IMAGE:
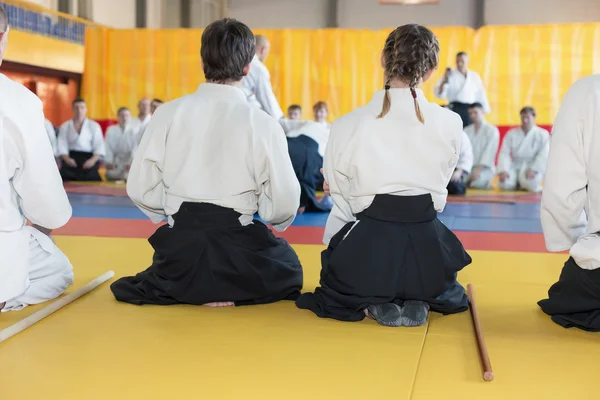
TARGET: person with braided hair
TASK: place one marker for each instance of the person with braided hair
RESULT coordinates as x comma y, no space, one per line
387,166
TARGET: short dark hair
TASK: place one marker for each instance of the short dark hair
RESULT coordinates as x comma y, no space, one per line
476,105
157,101
461,53
77,100
3,20
528,109
294,107
227,47
121,109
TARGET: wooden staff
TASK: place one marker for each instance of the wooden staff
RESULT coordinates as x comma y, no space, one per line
488,374
52,308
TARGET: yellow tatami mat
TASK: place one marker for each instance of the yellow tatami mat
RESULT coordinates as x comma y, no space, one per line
97,348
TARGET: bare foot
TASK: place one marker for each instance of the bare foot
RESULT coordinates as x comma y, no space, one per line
220,304
301,210
2,305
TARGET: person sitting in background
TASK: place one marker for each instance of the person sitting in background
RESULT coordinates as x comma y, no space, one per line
154,105
457,184
138,124
80,145
485,140
121,143
306,146
320,112
294,112
51,136
524,155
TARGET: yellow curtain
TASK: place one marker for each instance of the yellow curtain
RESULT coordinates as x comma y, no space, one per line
533,65
341,67
520,65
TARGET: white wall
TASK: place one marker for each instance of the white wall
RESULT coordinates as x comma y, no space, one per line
114,13
512,12
280,13
370,14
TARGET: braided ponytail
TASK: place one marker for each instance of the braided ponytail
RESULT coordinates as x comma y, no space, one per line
410,52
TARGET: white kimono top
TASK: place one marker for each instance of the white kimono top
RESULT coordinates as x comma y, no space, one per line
524,150
258,89
485,144
466,90
120,145
213,147
572,182
30,184
396,155
89,140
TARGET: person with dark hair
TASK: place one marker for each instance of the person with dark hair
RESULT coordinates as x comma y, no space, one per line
485,139
462,87
524,155
154,104
34,269
570,211
294,112
320,111
80,145
257,84
387,165
121,144
209,161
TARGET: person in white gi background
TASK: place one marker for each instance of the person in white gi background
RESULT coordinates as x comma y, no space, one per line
571,207
34,270
257,85
524,155
80,145
485,139
462,87
121,143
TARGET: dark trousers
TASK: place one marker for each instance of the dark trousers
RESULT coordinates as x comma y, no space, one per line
461,109
69,173
458,188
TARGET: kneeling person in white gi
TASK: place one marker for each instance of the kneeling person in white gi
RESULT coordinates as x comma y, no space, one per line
34,270
121,143
523,155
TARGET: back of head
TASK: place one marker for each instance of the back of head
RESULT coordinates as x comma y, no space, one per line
410,52
228,46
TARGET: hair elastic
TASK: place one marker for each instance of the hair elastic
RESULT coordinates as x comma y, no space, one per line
387,87
413,92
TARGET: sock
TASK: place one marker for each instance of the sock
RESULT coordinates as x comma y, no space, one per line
389,314
414,313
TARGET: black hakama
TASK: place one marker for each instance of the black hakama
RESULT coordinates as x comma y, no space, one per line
396,251
461,109
307,163
208,256
574,301
78,173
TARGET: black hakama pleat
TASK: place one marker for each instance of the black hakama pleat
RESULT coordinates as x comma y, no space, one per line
396,251
307,163
208,256
78,173
574,301
461,109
